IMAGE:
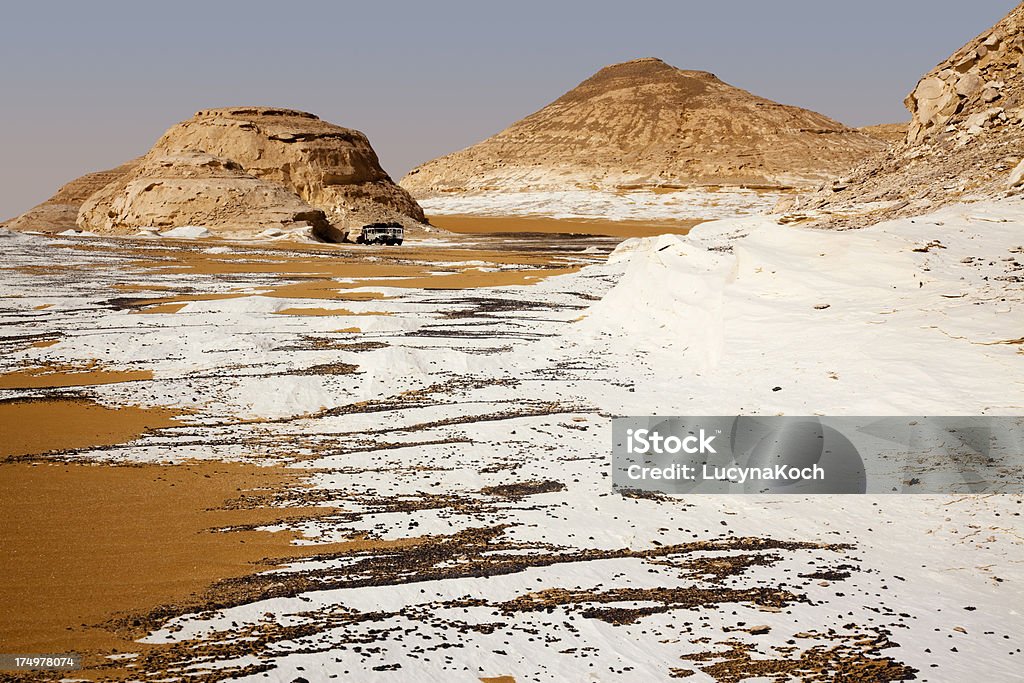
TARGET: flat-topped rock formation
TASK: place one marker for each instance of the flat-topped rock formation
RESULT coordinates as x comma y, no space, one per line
965,140
332,168
646,123
238,170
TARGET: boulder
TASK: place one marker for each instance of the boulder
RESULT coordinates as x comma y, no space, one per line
933,102
969,85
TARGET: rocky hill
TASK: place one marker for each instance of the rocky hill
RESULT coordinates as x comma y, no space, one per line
60,212
965,140
239,170
646,123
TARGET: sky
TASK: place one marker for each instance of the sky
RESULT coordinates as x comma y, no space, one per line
88,85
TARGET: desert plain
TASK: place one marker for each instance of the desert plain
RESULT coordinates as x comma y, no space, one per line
237,445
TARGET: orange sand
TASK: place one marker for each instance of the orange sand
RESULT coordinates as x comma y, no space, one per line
83,543
319,311
161,309
30,427
326,271
67,376
513,224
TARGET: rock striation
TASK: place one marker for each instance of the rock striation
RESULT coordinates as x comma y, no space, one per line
645,123
965,140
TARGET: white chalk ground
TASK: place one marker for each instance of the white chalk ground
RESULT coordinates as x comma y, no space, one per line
917,316
687,204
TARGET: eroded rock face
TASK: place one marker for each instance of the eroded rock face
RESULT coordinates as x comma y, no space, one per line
170,190
332,168
60,212
965,138
969,83
646,123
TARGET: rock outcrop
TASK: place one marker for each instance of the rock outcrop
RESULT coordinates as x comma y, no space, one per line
646,123
60,212
332,168
965,138
237,171
171,190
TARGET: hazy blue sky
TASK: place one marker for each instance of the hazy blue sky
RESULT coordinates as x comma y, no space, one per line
87,85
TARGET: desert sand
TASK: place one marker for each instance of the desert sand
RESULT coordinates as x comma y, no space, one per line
412,509
474,224
30,428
